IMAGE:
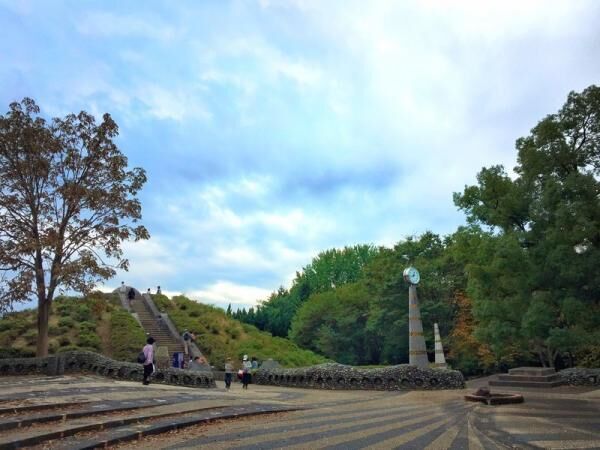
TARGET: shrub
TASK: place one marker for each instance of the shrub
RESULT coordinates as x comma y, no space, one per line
83,313
30,336
162,302
16,353
97,306
232,331
66,322
89,340
87,327
54,331
126,335
52,347
63,341
18,324
194,314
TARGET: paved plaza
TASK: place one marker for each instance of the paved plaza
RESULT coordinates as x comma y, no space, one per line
75,412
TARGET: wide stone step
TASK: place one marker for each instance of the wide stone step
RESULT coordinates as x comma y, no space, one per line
159,425
526,384
532,371
544,378
42,433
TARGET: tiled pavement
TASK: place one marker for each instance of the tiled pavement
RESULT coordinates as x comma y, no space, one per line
104,411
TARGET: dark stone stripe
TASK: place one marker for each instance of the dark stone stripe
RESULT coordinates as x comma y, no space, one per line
313,422
461,441
417,443
305,439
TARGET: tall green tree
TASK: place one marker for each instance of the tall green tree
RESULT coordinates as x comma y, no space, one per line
333,323
541,287
68,202
328,270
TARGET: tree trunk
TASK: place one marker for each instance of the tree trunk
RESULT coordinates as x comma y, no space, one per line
42,325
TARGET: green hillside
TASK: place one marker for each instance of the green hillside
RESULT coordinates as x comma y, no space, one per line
220,336
98,323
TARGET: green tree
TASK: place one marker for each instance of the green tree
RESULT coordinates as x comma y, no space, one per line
332,323
541,289
326,271
68,201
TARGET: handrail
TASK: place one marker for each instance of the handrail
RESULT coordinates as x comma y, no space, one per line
166,320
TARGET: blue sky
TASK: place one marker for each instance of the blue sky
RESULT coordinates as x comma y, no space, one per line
272,130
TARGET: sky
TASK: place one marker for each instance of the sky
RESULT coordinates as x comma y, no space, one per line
273,130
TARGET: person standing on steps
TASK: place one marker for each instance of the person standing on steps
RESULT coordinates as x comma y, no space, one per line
187,339
148,291
131,295
149,362
246,366
158,291
123,288
228,373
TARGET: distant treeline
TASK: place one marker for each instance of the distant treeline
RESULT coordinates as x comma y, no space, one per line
519,284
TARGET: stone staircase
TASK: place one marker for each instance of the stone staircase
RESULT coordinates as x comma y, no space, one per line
529,377
154,327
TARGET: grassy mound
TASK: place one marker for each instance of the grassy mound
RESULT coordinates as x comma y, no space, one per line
96,323
220,336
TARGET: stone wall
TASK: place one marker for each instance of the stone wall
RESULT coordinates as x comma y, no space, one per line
88,362
580,376
338,376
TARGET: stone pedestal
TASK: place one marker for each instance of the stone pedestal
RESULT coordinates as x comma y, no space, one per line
530,377
417,352
440,359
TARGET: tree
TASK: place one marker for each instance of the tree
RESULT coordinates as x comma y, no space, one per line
540,287
68,202
328,270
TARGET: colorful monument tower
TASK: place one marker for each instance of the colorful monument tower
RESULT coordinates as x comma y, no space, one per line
440,359
417,352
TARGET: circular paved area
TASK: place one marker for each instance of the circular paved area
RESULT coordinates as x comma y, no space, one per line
558,418
562,418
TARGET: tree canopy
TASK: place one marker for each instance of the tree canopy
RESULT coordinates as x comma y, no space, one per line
68,202
539,286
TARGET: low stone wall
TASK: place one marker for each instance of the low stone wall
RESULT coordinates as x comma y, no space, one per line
338,376
88,362
579,376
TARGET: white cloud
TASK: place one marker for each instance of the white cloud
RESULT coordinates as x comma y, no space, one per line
149,262
228,292
171,103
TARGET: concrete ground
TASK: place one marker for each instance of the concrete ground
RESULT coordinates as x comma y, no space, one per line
87,411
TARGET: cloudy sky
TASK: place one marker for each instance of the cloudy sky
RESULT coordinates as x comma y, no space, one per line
272,130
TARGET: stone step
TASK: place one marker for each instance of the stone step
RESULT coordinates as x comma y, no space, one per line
89,409
135,431
544,378
532,384
42,433
532,371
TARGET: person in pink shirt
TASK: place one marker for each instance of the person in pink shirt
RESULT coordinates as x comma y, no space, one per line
149,362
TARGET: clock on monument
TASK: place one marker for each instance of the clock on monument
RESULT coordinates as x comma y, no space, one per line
411,275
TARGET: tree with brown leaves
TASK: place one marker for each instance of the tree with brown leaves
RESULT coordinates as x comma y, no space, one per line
67,203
